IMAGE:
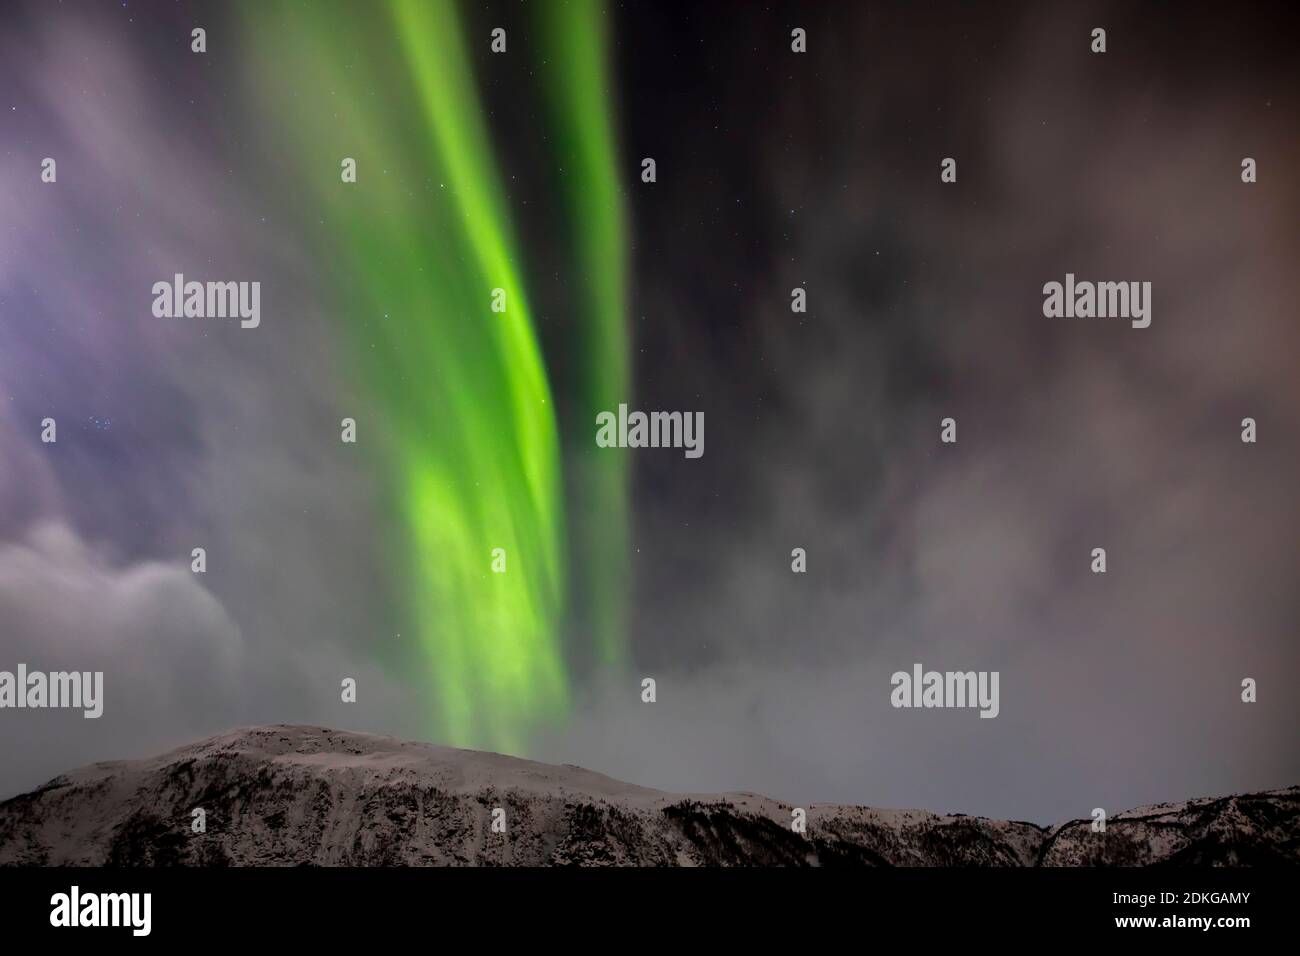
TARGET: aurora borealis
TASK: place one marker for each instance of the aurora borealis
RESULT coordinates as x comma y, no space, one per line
464,392
519,170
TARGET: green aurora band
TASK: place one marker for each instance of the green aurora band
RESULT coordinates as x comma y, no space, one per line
471,450
575,38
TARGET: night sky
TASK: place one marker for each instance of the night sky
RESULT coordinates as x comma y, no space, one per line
775,170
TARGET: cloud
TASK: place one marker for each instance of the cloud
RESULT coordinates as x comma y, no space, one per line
176,665
925,301
172,658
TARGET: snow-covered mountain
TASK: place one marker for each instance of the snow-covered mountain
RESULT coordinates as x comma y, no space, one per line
284,795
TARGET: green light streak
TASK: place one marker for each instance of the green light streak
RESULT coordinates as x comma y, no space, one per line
463,427
574,44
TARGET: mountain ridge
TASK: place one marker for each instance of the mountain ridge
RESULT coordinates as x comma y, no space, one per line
290,795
